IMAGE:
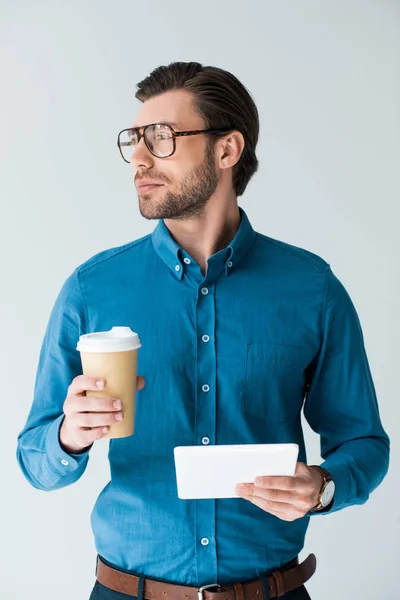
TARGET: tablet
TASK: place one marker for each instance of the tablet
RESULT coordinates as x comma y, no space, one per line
214,471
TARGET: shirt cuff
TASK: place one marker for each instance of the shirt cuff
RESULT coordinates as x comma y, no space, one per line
58,458
339,472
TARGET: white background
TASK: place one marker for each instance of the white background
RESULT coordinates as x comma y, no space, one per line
325,78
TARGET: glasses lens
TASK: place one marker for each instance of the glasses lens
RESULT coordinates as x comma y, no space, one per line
127,140
160,140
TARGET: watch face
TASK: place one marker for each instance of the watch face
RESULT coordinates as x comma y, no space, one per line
328,494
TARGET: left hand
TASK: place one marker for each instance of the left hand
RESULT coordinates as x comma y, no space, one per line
288,498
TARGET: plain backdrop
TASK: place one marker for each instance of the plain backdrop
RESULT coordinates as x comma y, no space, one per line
325,78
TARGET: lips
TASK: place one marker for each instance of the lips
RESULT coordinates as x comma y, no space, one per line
148,187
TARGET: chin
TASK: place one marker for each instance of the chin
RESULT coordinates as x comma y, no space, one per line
148,213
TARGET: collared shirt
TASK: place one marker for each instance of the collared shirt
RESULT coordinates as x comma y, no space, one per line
231,357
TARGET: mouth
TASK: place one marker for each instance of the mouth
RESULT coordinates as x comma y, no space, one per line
147,188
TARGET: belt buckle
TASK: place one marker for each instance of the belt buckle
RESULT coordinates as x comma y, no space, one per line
204,587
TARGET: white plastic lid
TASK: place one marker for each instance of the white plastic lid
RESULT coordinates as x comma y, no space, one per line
116,339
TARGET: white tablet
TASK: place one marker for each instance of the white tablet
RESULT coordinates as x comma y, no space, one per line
214,471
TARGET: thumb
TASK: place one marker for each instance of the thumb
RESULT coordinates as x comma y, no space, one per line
140,382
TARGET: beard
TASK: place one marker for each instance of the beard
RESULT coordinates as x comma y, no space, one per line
196,189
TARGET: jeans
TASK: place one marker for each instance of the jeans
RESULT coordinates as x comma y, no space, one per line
100,592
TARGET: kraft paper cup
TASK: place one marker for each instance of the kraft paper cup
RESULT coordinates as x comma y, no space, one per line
112,355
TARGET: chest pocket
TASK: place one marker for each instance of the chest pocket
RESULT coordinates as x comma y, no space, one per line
274,382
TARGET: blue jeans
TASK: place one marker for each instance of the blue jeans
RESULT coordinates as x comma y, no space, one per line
100,592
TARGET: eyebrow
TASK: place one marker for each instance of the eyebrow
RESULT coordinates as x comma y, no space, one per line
171,123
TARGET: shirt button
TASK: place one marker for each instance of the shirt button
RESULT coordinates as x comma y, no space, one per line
205,441
204,291
187,261
205,541
205,388
177,268
229,263
64,462
206,338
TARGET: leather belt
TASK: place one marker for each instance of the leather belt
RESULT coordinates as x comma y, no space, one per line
284,580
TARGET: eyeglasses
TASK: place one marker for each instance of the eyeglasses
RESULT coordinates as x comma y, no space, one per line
158,137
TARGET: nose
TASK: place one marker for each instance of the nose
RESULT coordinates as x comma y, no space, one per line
141,155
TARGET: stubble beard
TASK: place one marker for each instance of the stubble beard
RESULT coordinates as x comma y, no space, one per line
196,190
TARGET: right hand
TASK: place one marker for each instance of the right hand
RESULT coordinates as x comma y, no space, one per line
86,417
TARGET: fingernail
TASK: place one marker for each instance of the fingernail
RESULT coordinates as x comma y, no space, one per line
239,488
118,417
99,383
117,404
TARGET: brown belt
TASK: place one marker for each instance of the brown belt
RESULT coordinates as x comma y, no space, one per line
280,582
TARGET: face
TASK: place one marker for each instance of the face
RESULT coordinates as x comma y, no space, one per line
189,177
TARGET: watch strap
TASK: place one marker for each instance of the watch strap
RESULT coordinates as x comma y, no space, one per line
327,478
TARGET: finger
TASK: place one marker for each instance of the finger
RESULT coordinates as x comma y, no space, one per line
273,495
86,437
96,419
277,482
270,507
278,497
140,382
81,383
94,404
77,404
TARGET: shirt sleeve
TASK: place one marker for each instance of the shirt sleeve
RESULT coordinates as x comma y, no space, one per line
341,404
42,460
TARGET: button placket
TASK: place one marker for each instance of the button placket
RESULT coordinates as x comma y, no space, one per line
205,422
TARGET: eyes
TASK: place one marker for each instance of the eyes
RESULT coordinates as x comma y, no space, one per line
153,133
159,135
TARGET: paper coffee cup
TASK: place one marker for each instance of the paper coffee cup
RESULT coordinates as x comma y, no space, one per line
112,355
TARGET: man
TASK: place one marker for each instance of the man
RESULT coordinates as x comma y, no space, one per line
239,332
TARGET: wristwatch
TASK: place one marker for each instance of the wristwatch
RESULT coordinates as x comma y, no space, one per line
327,491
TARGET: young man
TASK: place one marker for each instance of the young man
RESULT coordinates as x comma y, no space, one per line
239,331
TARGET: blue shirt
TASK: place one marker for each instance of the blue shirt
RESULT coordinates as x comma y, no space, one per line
229,358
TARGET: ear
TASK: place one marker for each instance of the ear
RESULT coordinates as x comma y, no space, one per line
230,149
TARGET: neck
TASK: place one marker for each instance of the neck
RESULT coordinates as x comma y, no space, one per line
203,236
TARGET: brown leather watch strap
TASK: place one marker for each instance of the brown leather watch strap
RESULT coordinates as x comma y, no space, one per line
326,476
280,582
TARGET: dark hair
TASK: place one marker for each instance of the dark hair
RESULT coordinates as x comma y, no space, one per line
220,99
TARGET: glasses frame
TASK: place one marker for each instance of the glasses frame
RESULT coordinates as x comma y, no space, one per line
175,134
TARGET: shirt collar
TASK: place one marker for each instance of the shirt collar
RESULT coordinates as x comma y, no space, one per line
176,258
